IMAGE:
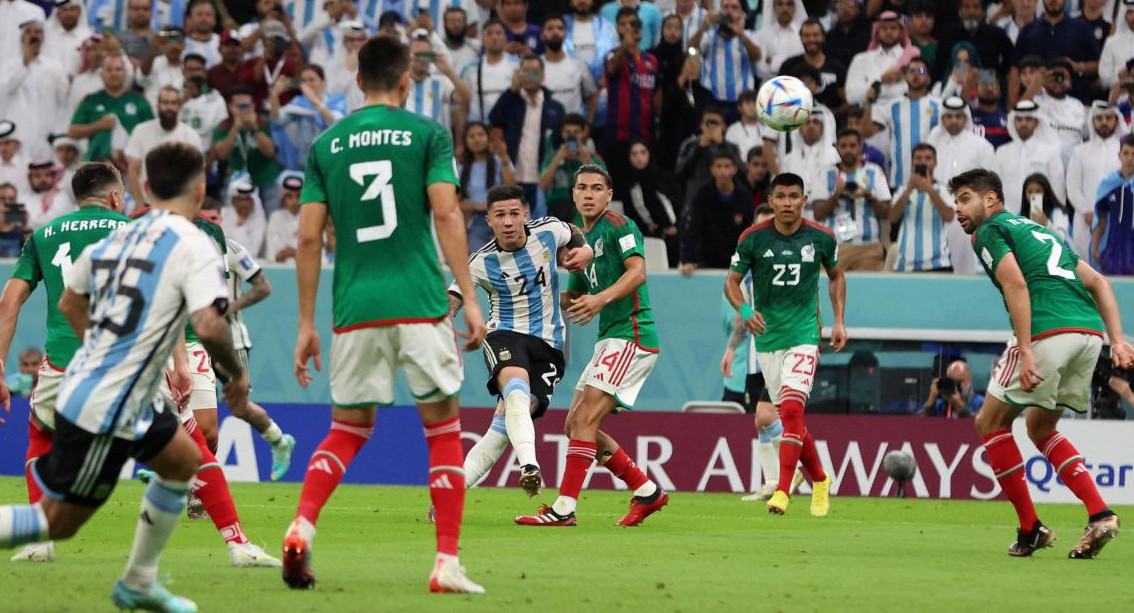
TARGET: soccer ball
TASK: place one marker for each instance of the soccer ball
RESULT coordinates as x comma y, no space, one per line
901,466
784,103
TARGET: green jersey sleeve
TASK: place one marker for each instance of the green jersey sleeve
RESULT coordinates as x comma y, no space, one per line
441,165
83,112
27,267
830,253
742,259
577,282
629,241
991,246
314,189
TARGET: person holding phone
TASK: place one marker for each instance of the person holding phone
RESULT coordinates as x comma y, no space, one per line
731,54
924,209
852,198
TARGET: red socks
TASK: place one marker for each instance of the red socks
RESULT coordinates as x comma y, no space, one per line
328,464
446,481
580,454
39,443
1008,467
797,443
211,486
624,468
810,458
1070,467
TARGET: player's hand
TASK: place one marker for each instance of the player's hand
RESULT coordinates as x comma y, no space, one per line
474,322
5,398
838,337
584,308
1030,376
1121,353
755,324
726,362
180,385
307,347
578,258
236,393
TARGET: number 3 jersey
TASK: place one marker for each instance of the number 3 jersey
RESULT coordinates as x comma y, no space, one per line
47,257
785,280
1060,302
372,170
143,281
522,285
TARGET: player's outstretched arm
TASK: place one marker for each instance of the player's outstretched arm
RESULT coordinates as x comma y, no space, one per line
584,308
212,328
308,263
452,235
1099,286
16,293
1019,302
261,289
837,288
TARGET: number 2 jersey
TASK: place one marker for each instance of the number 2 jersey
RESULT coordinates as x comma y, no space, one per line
143,281
785,280
1060,302
522,285
372,170
47,257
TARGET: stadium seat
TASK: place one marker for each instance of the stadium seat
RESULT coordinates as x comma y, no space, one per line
657,258
711,406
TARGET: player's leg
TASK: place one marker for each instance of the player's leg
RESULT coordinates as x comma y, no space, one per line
516,393
203,397
40,422
789,375
282,444
582,428
487,451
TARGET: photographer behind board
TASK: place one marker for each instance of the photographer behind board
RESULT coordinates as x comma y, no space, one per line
953,396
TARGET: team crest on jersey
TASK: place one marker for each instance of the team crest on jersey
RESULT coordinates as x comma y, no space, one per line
546,255
504,355
598,248
131,108
807,253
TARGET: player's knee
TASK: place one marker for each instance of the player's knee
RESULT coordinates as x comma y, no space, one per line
60,525
986,423
211,439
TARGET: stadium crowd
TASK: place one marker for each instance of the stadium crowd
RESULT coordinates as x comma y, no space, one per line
908,93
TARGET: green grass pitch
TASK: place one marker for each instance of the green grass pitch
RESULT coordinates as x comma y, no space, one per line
705,552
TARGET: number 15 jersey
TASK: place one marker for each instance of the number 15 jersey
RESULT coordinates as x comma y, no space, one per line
372,169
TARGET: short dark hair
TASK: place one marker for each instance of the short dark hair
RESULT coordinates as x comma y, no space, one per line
1127,141
757,151
722,154
748,95
594,169
531,57
195,57
553,17
382,61
786,179
712,110
845,132
211,204
317,69
811,21
500,193
856,111
575,119
624,11
925,147
238,90
171,168
94,179
979,180
918,60
763,209
493,22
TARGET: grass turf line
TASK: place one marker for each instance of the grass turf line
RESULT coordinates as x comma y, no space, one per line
703,552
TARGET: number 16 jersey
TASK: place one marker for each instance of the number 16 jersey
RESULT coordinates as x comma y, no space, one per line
372,169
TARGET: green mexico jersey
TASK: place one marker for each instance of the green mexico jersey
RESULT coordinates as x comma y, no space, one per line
1059,301
130,108
217,234
372,170
785,280
616,239
47,256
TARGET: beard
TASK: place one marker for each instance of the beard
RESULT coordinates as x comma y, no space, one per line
988,99
168,121
554,45
456,39
1105,132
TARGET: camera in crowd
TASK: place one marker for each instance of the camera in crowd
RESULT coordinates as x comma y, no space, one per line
947,387
1107,403
16,213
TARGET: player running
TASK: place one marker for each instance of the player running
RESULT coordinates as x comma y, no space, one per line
379,173
46,258
784,255
129,296
1054,302
613,286
524,346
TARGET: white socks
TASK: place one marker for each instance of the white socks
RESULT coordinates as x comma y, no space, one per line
22,524
272,434
162,505
564,505
484,454
518,419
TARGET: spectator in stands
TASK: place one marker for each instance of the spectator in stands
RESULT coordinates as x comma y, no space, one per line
1040,204
13,163
960,74
1019,13
1112,241
745,132
45,201
956,143
462,48
632,86
1033,149
89,78
670,53
245,141
12,14
569,79
1089,163
323,37
719,211
522,117
988,115
691,14
557,172
67,153
590,37
200,35
491,75
33,88
993,46
105,112
22,382
856,115
138,35
730,54
162,64
1091,11
648,14
1118,47
277,62
1057,35
650,197
283,224
436,90
202,108
226,74
833,73
852,198
1122,92
523,37
243,218
953,396
681,111
882,64
695,159
921,25
907,120
812,152
148,135
1065,115
64,35
849,35
924,210
756,176
484,163
778,39
13,218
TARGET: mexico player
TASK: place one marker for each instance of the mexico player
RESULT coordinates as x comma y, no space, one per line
378,174
784,255
613,286
1054,303
128,296
524,346
46,258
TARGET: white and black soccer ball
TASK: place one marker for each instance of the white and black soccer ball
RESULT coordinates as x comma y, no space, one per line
900,465
784,103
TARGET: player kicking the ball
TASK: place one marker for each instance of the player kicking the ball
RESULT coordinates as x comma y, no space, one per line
1054,302
784,256
379,173
613,286
524,347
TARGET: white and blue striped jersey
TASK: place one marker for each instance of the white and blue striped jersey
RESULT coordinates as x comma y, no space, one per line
432,98
112,13
302,12
909,123
868,228
244,268
522,285
143,281
488,82
726,70
921,239
210,49
749,293
370,11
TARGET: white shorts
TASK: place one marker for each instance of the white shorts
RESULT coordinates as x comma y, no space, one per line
1066,362
45,394
204,395
792,368
365,361
618,368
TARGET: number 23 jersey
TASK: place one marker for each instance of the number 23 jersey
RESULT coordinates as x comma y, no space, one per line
372,170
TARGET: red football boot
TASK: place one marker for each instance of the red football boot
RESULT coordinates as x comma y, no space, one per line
640,509
546,516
